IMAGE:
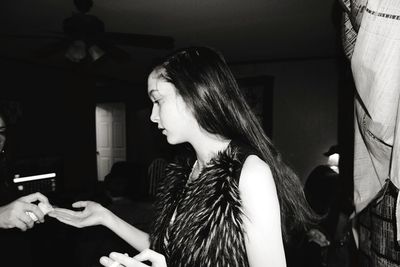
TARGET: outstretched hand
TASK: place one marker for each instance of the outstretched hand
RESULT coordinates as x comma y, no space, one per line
92,214
14,215
156,259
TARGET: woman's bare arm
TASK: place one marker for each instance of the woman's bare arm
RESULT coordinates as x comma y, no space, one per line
95,214
264,243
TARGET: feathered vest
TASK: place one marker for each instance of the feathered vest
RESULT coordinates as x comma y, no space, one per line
207,229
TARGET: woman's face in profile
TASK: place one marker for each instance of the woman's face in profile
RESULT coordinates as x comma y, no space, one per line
2,133
169,111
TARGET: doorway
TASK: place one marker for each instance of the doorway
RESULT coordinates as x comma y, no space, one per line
110,136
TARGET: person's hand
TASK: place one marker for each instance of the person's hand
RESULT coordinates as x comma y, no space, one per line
156,259
14,215
92,214
315,235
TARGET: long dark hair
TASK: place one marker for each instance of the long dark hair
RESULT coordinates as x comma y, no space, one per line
207,85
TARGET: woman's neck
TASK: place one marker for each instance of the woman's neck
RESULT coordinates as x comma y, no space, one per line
207,146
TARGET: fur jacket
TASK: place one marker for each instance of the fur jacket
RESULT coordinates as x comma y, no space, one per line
207,229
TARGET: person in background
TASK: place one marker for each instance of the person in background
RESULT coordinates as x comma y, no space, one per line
15,244
234,202
371,41
13,214
330,243
322,193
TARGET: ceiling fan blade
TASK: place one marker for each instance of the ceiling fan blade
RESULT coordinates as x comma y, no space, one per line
30,36
141,40
53,48
118,54
37,45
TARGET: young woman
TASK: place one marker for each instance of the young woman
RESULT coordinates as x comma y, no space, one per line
235,203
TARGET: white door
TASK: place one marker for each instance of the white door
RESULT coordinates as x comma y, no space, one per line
110,136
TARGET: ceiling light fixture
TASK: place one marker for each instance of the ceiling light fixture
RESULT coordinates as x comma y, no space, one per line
78,51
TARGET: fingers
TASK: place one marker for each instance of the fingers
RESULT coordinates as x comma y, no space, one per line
80,204
106,261
125,260
22,221
65,212
19,213
35,197
145,255
52,213
45,208
70,217
35,210
68,221
20,225
121,258
28,206
157,259
112,262
27,220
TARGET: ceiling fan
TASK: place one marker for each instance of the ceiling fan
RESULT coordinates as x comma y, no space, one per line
84,38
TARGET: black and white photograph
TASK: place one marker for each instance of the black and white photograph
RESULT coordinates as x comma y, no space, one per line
188,133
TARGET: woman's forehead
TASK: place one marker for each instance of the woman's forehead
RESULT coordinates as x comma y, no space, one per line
152,84
157,84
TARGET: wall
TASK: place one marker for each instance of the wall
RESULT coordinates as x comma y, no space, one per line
305,111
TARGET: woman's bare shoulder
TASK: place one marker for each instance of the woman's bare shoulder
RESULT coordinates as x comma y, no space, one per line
257,185
257,171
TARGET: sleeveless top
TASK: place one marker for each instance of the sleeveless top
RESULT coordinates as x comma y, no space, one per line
208,228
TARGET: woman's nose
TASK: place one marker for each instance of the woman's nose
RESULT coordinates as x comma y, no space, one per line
154,117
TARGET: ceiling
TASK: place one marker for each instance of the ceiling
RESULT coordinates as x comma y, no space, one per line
245,31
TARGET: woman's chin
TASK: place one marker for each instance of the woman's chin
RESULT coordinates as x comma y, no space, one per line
172,141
